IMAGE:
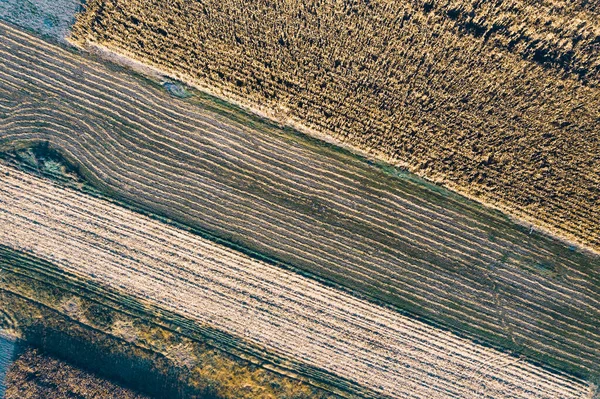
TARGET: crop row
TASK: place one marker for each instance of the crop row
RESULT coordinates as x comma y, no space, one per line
322,212
403,81
290,315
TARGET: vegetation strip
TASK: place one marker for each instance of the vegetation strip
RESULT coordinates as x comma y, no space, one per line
288,314
322,211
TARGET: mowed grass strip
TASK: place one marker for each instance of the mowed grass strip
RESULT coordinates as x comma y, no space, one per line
292,316
322,211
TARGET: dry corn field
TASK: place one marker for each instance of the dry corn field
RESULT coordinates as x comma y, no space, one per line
497,100
292,316
327,214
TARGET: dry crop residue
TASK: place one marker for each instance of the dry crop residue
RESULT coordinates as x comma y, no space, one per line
292,316
323,212
146,347
498,102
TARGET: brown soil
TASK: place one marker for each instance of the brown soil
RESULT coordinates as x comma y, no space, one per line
35,375
500,103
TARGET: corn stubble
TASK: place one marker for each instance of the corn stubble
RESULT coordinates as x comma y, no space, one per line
498,102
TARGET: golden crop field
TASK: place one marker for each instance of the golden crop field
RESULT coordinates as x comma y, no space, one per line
497,100
327,214
289,315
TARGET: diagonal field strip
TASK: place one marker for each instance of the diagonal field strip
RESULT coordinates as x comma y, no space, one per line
316,209
290,315
403,81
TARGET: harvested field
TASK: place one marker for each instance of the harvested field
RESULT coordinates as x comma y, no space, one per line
149,349
324,212
35,375
497,100
289,315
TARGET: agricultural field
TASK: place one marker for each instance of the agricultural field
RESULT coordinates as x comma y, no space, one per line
293,317
291,200
370,230
139,344
496,100
35,375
